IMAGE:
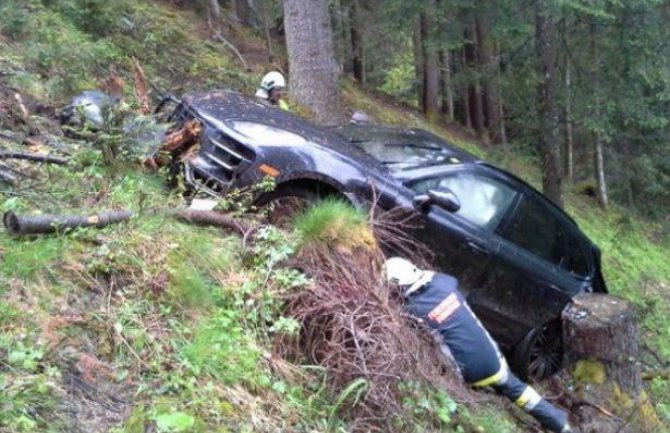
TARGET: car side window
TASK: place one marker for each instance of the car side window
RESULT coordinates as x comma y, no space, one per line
536,228
483,200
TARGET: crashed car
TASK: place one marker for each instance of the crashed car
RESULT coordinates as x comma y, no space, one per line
519,258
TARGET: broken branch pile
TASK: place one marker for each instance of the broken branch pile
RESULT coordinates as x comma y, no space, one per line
358,331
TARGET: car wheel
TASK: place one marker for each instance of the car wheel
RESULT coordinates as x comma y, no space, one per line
540,353
283,204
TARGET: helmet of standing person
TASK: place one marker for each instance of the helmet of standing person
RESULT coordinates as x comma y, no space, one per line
271,80
401,272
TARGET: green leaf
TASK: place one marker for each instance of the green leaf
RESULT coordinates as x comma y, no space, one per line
174,422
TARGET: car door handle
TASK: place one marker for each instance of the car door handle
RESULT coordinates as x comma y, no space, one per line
474,246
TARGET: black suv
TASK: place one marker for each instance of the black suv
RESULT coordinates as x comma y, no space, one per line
519,258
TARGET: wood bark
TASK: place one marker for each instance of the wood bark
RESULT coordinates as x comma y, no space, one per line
419,64
37,224
214,9
34,157
598,158
501,108
603,328
243,11
431,73
447,85
487,76
465,97
357,51
475,88
546,105
599,161
312,64
567,118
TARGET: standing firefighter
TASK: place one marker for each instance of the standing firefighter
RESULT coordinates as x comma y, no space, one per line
271,90
435,299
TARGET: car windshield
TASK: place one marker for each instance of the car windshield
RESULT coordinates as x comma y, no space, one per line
402,155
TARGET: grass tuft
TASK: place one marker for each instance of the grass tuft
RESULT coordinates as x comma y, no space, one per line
333,221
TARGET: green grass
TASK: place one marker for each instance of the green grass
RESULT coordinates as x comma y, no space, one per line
330,221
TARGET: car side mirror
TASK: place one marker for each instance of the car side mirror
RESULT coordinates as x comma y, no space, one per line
443,198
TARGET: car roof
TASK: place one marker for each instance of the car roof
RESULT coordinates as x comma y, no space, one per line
228,105
358,133
361,133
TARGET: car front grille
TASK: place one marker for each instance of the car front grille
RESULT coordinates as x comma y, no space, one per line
219,161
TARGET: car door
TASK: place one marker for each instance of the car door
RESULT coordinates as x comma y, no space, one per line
541,262
464,241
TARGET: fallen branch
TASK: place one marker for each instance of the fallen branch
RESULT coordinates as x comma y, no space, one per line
34,157
219,37
42,224
602,410
38,224
182,139
24,111
651,375
141,91
8,178
212,218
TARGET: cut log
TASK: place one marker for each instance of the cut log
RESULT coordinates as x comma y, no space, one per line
603,328
34,157
36,224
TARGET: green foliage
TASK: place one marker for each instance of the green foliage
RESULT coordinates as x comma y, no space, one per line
97,17
224,349
26,257
331,220
400,81
174,422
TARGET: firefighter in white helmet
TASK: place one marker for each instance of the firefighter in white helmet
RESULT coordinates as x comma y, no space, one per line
271,90
435,299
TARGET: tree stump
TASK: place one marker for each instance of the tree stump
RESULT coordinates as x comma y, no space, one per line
603,329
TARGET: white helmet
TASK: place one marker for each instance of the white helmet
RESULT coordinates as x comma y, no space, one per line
270,81
401,272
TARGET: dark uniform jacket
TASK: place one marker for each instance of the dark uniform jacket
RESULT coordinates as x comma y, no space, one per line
442,306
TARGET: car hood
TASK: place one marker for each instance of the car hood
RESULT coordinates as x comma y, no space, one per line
222,106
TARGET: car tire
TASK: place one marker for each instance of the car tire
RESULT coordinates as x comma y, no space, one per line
540,353
284,203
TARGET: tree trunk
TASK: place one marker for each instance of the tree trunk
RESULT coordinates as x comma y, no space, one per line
567,116
266,28
313,69
475,90
501,111
546,105
418,61
447,85
357,51
602,328
467,117
487,76
431,73
243,11
214,9
600,171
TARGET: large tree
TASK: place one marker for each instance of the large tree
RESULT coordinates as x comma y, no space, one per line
312,65
545,41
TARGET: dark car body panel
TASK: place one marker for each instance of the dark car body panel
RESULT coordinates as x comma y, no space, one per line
512,289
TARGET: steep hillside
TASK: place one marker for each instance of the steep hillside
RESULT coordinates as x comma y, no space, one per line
161,325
